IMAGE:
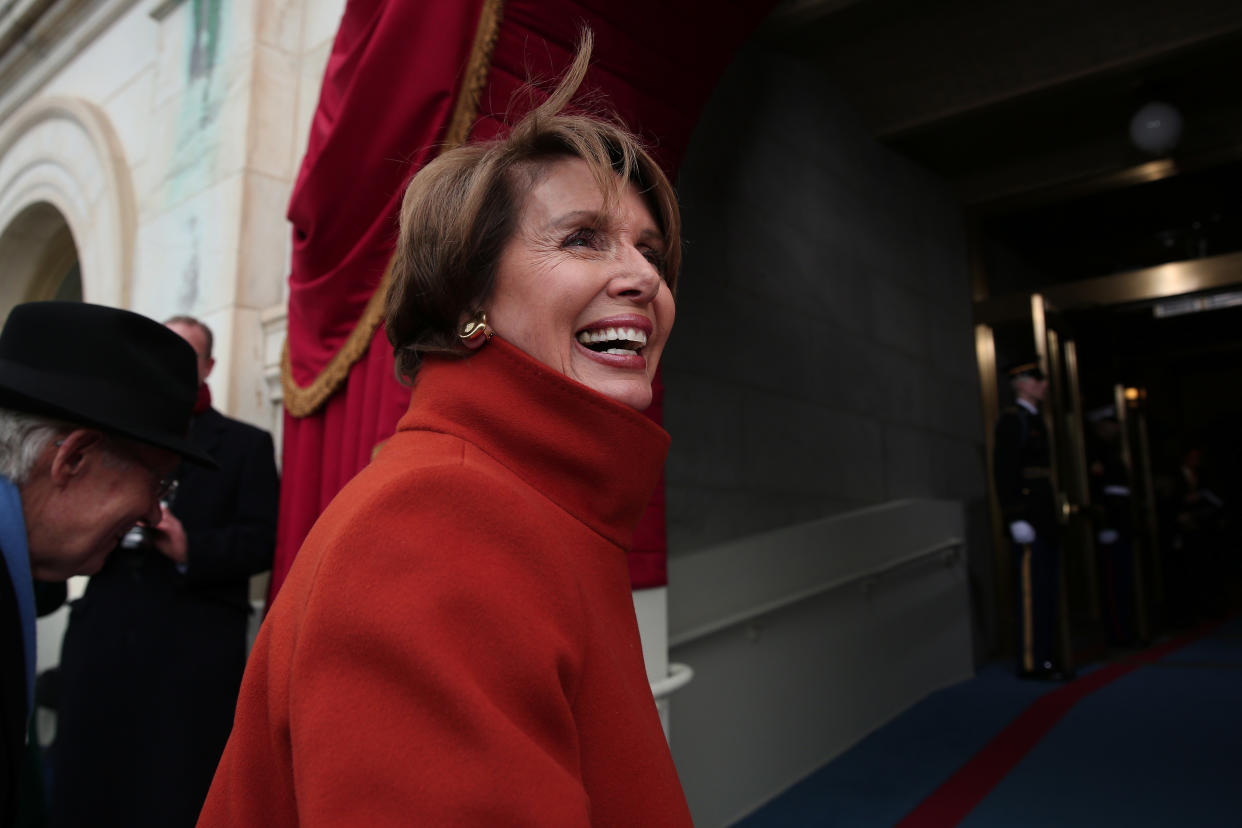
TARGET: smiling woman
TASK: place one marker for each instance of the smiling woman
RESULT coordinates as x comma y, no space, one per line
456,641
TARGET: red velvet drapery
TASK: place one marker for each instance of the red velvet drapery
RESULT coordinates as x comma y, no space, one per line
389,91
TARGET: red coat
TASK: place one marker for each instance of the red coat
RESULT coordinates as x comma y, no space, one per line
456,642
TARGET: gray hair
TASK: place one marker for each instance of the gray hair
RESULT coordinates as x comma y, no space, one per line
22,439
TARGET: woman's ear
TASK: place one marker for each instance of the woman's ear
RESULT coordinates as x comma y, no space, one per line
473,331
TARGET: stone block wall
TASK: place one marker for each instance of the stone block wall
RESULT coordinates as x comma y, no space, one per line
168,136
823,355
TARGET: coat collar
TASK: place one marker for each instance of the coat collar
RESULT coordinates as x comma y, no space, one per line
206,433
595,458
206,428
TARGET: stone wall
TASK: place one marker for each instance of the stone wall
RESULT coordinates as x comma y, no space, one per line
168,136
822,358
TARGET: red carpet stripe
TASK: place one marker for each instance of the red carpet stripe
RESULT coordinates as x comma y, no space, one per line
949,804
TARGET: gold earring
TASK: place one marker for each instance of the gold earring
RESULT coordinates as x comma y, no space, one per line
475,327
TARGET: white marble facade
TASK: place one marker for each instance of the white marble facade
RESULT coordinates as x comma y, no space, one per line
158,143
148,149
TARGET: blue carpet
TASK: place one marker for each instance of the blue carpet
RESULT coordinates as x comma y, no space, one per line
1160,746
879,780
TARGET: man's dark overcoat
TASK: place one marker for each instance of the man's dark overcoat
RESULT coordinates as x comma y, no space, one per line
153,656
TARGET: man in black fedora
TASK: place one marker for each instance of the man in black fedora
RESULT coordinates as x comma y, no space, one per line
153,656
95,407
1021,468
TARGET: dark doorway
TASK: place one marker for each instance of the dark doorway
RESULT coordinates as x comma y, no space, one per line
1177,355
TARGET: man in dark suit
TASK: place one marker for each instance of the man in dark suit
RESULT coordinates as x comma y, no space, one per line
155,649
94,408
1022,473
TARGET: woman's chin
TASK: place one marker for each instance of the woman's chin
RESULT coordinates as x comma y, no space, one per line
623,380
634,393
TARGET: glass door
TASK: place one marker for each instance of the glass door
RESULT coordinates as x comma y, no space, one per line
1146,563
1079,607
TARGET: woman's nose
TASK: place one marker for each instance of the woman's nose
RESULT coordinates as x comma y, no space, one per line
637,279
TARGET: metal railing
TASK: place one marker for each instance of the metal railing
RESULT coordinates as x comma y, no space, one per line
679,675
947,552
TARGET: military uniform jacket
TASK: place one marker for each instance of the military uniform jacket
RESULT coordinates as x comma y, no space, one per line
1022,471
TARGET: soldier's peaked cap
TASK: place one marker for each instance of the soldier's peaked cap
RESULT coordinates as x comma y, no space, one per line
1027,367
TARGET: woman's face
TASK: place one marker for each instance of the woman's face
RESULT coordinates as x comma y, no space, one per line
580,290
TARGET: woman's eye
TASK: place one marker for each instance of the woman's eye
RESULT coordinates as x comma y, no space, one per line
584,237
656,257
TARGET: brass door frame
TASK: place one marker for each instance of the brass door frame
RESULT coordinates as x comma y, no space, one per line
1079,489
1002,563
1149,284
1148,557
1062,413
1142,620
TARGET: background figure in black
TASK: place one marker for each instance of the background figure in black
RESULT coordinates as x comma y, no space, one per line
1194,568
1022,470
1110,494
154,652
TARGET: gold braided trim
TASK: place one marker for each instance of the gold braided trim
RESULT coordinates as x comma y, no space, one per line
303,401
480,64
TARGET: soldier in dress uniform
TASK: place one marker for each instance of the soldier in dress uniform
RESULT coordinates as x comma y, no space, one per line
1023,476
1110,495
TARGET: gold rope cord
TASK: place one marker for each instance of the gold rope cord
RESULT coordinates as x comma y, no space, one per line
302,401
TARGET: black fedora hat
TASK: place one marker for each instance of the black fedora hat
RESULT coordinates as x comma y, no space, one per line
103,367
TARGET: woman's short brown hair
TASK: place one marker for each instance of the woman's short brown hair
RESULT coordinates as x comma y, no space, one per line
462,208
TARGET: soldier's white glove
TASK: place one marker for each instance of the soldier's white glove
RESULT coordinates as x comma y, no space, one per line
1107,536
1022,532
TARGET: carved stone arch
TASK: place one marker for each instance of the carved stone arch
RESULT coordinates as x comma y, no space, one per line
63,152
39,258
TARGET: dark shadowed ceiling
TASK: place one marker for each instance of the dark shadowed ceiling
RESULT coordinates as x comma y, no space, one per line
1004,96
1025,107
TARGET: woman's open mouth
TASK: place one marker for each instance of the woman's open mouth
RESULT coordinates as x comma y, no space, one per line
619,341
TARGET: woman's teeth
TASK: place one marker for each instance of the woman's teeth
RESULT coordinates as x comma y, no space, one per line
619,341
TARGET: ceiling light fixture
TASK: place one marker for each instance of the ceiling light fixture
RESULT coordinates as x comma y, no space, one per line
1156,127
